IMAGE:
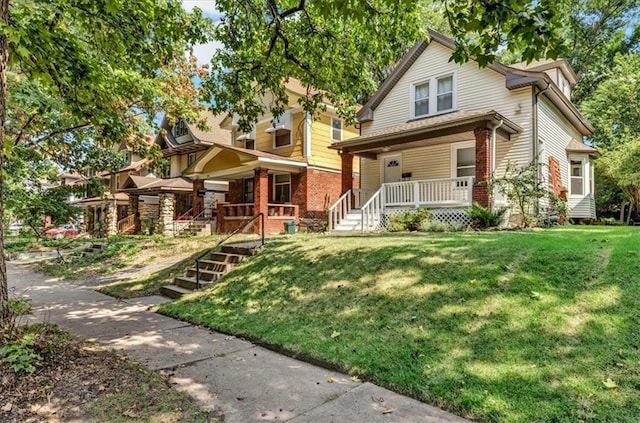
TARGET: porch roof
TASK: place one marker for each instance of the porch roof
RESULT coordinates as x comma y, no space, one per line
118,197
424,129
229,162
147,185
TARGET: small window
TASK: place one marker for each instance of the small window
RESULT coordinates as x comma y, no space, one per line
250,144
421,100
191,158
282,188
336,129
465,162
180,129
445,93
126,155
577,178
247,190
282,138
393,163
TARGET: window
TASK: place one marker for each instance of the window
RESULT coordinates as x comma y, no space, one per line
282,188
463,162
250,144
191,158
435,95
421,107
180,129
577,178
247,190
126,156
281,138
336,129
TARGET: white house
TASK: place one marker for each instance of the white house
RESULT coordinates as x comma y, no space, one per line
435,132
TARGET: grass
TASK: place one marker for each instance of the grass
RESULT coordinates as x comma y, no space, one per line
536,326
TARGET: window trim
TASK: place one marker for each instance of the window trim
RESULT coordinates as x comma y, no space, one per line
275,134
584,171
189,161
183,127
433,95
245,192
454,156
275,200
332,129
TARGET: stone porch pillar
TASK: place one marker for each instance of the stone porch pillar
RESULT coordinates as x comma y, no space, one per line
166,207
198,201
111,218
134,209
481,191
261,192
209,204
347,171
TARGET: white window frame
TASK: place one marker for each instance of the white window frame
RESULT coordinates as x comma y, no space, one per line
275,184
585,170
454,160
333,129
189,161
433,95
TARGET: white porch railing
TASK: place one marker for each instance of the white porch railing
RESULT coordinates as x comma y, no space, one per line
449,192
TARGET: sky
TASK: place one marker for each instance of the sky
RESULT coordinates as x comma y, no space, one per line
204,51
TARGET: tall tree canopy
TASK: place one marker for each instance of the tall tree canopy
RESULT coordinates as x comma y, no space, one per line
79,73
340,46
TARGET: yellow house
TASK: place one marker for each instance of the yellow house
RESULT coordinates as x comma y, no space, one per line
282,168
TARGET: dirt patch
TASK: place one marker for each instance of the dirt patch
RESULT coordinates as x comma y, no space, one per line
81,381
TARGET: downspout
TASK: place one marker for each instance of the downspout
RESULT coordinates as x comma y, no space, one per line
534,133
306,135
494,129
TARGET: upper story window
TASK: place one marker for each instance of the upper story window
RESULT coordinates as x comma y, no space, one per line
247,140
180,129
433,96
250,144
336,129
191,158
282,138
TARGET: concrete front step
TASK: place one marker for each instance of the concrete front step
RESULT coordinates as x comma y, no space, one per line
189,283
174,291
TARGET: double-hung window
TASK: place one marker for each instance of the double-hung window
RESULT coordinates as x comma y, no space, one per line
577,177
191,158
433,96
247,190
336,129
282,188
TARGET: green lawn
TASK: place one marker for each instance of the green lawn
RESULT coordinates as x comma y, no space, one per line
494,326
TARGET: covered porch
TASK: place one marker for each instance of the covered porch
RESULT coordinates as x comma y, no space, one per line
101,214
443,163
259,182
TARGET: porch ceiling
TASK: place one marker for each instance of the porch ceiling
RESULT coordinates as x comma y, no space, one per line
447,128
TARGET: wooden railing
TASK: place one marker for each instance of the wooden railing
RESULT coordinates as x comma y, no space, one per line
372,211
126,224
452,192
339,210
245,210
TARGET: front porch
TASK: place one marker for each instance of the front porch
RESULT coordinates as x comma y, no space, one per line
362,210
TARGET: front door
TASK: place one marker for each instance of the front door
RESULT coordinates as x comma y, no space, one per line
392,169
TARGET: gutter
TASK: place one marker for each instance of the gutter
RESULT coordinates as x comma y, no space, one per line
534,132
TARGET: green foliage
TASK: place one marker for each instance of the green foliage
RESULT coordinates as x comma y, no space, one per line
523,188
20,354
483,217
437,226
622,164
409,220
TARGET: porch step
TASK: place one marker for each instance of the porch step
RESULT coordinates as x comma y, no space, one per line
212,269
94,248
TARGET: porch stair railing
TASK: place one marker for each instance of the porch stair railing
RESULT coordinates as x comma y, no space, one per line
340,209
127,224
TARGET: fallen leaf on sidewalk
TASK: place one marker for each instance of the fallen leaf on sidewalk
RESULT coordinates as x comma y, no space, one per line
387,411
331,380
7,407
355,379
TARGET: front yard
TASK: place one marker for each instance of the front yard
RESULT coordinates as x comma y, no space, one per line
502,327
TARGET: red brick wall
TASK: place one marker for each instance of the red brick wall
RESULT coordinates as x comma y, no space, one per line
198,202
555,180
483,167
235,192
323,189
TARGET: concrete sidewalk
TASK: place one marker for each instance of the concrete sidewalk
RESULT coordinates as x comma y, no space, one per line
245,382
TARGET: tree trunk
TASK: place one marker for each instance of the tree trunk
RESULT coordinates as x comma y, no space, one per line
4,54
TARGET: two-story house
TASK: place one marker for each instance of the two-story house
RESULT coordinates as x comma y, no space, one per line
435,132
173,203
281,168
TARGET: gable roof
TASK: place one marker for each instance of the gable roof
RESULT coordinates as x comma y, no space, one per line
515,78
200,138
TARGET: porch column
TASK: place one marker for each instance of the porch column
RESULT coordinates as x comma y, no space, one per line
209,201
261,192
134,209
481,190
166,210
198,201
111,218
347,171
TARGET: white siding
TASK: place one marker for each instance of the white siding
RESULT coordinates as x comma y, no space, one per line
476,89
555,132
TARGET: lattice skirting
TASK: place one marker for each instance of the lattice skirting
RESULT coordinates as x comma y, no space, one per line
450,216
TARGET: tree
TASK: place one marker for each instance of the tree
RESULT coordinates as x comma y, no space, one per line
341,47
622,164
87,73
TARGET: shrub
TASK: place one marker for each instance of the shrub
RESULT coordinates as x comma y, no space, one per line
409,220
20,354
483,217
437,226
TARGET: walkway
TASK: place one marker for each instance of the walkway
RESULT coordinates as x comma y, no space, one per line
245,382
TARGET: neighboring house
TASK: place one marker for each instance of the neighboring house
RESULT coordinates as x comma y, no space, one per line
176,201
435,132
281,168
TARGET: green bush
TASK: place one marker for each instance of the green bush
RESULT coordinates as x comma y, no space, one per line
437,226
409,220
20,354
483,217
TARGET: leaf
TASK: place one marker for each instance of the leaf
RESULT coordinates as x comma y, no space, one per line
388,411
355,379
7,407
331,380
335,334
609,384
535,295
